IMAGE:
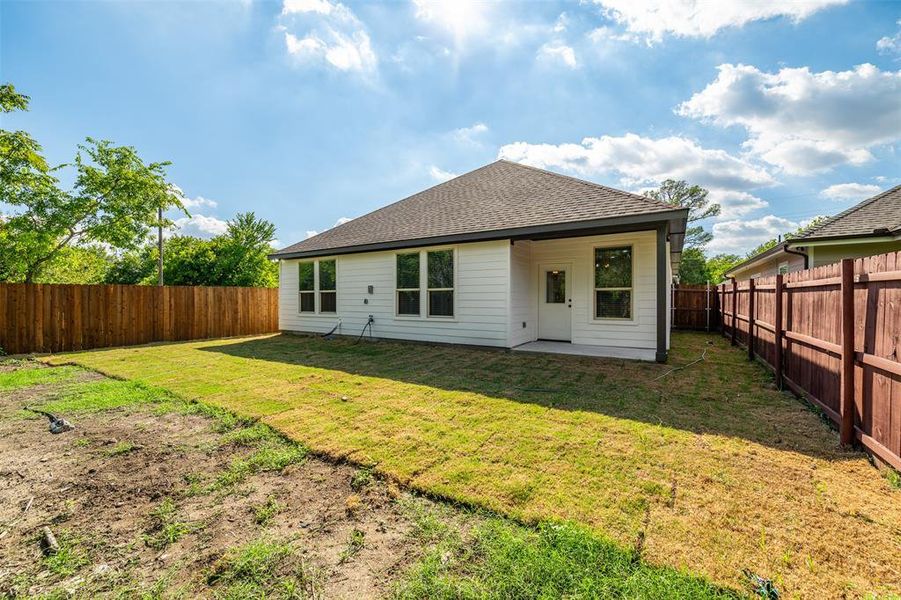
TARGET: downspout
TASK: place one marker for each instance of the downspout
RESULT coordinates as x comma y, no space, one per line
804,254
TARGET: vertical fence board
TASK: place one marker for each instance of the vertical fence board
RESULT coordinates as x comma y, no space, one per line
866,347
61,318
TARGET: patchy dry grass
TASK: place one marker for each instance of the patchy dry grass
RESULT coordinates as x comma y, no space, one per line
709,469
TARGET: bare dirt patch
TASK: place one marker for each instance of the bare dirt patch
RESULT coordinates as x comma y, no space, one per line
135,497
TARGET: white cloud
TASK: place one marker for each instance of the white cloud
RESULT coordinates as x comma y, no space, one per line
198,202
606,34
460,19
702,18
468,135
562,23
735,204
439,174
558,52
200,225
189,203
336,37
739,236
322,7
641,161
340,221
850,191
801,121
344,52
890,45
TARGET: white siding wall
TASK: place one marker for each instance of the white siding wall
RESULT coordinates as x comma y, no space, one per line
522,304
480,300
641,332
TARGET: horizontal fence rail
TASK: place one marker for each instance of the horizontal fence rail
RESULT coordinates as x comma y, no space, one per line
832,335
60,318
694,307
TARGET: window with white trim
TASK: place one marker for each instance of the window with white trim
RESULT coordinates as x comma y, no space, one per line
328,294
408,284
613,283
440,279
306,287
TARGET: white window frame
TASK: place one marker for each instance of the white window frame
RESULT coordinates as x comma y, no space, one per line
320,291
397,290
300,292
423,285
317,302
595,290
453,289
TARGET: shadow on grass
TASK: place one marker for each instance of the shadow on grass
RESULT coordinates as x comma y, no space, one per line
725,394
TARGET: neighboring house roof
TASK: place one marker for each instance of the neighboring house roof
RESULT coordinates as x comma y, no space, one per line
502,199
874,217
757,258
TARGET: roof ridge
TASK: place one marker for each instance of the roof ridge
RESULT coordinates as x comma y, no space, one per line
848,211
653,201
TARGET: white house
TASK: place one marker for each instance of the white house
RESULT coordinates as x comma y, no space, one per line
506,255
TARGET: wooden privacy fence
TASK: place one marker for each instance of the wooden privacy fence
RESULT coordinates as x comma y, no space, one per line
831,334
58,318
694,307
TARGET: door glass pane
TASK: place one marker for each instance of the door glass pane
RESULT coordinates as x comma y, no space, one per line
441,304
555,287
611,304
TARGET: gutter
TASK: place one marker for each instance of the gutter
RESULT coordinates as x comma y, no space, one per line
797,253
837,240
632,222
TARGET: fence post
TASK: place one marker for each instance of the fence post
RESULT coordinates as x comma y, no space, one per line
751,319
707,306
778,333
672,300
734,308
847,376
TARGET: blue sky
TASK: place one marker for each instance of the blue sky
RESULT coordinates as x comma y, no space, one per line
312,111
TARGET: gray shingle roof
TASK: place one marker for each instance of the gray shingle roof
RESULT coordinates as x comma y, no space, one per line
500,196
878,215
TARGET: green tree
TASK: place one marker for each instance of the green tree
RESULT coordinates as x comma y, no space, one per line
135,266
242,252
114,199
77,264
694,198
236,258
189,260
693,268
718,264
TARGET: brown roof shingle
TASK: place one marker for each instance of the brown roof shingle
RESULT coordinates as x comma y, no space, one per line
500,196
879,214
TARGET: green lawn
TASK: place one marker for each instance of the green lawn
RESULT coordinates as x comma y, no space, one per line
708,469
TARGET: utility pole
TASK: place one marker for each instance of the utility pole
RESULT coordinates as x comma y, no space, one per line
159,266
